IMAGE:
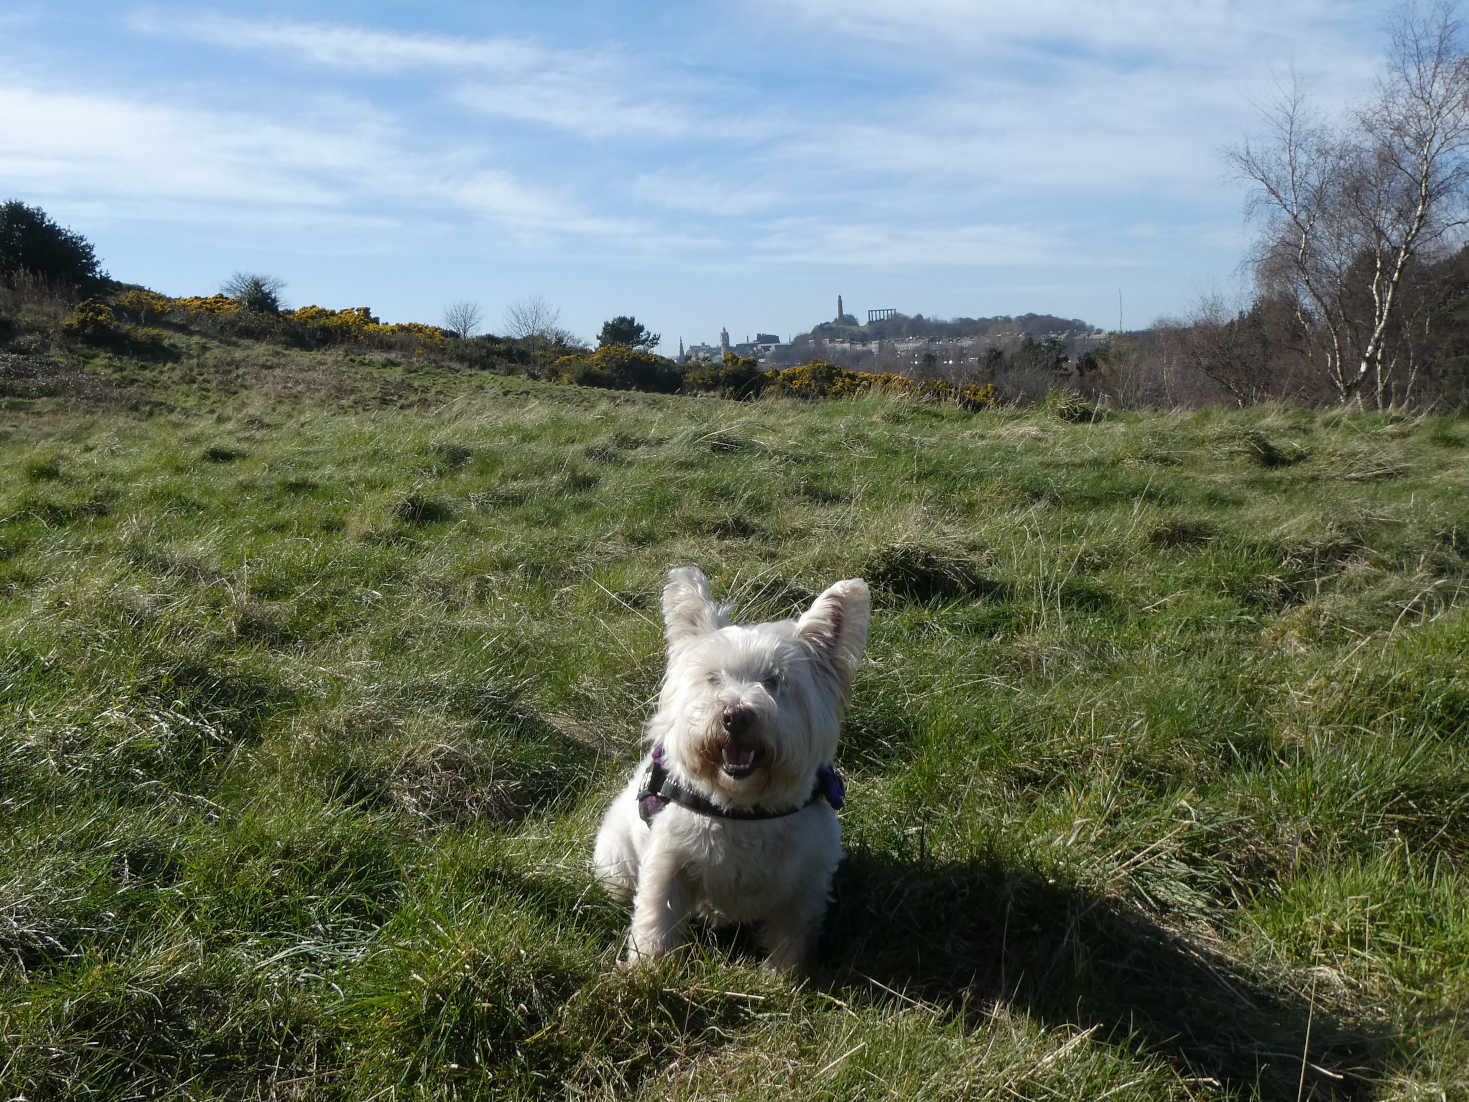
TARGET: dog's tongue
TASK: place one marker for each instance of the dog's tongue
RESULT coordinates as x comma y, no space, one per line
739,756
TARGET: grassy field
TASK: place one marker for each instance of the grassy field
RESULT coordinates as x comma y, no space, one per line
317,673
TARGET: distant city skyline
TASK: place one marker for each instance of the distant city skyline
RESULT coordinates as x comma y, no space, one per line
693,166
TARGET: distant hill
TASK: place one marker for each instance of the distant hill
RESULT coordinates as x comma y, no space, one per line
1001,329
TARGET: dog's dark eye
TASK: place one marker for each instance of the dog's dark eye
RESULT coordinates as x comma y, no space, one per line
714,679
772,683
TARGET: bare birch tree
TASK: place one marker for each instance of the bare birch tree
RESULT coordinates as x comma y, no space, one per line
537,324
462,318
534,319
1348,210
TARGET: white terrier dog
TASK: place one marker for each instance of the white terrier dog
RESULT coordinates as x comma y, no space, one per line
732,813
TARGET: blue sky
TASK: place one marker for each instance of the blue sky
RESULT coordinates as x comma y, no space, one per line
696,165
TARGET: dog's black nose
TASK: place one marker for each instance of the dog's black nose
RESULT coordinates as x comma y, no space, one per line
738,720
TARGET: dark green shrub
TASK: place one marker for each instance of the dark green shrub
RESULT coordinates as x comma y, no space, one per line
31,244
259,294
617,367
734,377
507,355
627,332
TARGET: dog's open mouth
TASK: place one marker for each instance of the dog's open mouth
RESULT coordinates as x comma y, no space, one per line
737,762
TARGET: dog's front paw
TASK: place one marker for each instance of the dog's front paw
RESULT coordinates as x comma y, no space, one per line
787,959
642,950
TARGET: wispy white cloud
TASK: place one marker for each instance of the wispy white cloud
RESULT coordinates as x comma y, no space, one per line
892,244
93,147
1185,31
579,105
730,195
341,46
83,143
535,215
1073,103
603,93
1091,124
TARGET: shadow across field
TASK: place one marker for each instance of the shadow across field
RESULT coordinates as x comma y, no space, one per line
971,935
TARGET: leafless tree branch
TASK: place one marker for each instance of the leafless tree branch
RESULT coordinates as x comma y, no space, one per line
1346,212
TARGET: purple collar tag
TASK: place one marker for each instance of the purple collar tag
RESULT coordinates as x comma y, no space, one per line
829,784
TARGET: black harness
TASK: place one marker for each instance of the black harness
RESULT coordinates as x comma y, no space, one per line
658,790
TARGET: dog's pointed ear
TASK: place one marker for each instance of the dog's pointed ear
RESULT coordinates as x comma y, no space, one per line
835,627
688,609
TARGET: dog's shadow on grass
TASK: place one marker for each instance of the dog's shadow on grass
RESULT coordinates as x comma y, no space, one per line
968,936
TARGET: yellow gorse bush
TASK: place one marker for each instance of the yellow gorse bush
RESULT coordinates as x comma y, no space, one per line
310,325
742,378
819,379
143,305
359,324
217,305
98,323
90,320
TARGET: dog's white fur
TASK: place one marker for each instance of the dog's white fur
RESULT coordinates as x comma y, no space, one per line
746,716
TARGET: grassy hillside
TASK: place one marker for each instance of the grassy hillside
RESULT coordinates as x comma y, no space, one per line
316,672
